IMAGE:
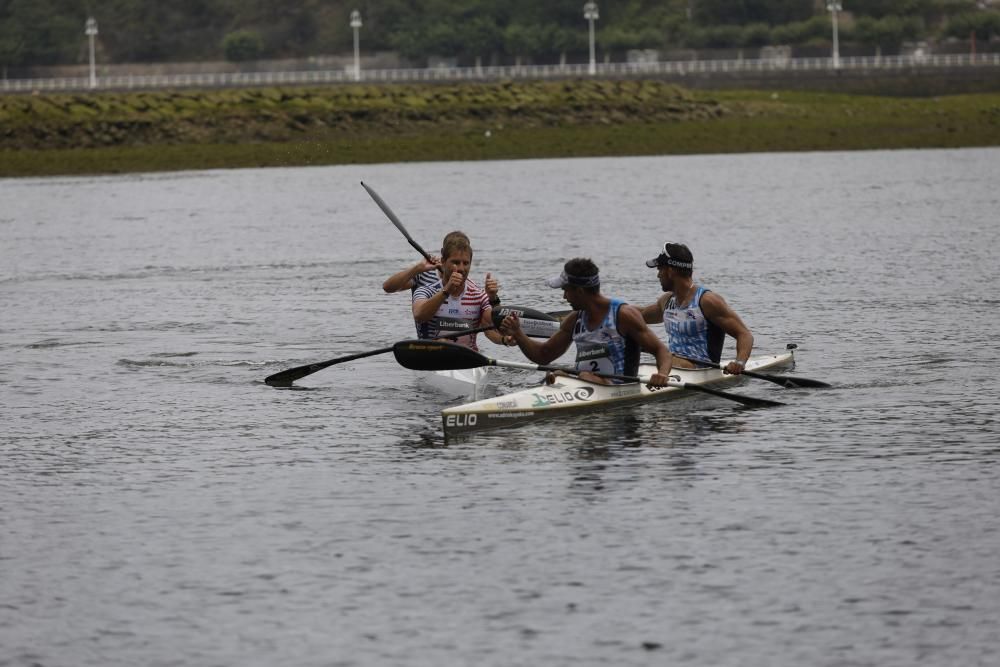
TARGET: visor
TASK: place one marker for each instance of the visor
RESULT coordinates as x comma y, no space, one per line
664,259
564,279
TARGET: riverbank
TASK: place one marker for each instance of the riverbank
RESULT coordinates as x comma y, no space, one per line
266,127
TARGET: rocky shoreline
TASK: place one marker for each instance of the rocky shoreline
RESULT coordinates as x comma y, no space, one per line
155,131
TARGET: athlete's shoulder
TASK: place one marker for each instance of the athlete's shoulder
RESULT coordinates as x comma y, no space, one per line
426,291
427,278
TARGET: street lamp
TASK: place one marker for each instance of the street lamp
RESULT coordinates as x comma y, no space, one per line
356,23
590,13
834,6
91,32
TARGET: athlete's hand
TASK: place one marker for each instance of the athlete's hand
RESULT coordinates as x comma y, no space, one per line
492,288
511,326
658,380
455,284
733,368
428,265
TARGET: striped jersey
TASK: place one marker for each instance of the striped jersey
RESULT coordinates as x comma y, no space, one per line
425,278
604,349
455,314
689,333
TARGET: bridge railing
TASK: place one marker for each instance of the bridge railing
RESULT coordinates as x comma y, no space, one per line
527,72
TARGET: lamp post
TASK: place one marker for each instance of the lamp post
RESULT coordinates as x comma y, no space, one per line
834,6
91,32
356,24
590,13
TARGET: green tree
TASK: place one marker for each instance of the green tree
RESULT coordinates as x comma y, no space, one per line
755,35
41,32
742,12
479,37
242,45
11,46
818,28
651,38
617,39
568,40
517,41
985,25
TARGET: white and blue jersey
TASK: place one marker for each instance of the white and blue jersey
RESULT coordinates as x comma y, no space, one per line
689,333
604,349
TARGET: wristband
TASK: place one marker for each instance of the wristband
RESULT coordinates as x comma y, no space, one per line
741,364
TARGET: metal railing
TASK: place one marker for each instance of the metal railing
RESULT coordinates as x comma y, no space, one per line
528,72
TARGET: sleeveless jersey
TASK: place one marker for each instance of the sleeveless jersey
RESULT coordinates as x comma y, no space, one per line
455,314
689,333
604,349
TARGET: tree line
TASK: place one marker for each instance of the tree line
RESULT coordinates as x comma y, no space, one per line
48,32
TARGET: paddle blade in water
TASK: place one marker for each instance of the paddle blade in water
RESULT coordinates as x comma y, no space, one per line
793,382
789,381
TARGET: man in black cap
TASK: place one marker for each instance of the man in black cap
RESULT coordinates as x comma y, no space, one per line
696,319
608,333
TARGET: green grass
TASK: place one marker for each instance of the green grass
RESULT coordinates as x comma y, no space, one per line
353,125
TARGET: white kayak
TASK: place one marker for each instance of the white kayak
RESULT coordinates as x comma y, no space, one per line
464,382
570,395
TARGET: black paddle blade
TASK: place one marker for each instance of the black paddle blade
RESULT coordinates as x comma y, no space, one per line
748,401
287,377
432,355
790,382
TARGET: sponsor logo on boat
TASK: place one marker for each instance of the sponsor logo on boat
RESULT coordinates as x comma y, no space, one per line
506,405
539,327
509,415
460,421
580,395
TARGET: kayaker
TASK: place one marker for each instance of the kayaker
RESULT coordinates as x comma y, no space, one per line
445,299
695,318
608,333
425,272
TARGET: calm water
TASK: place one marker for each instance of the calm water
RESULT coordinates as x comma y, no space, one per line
159,505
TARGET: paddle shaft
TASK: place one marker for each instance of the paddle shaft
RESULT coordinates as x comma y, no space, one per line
785,381
395,221
287,377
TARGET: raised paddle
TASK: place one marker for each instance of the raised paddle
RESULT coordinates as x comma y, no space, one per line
785,381
399,225
426,355
395,221
286,377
